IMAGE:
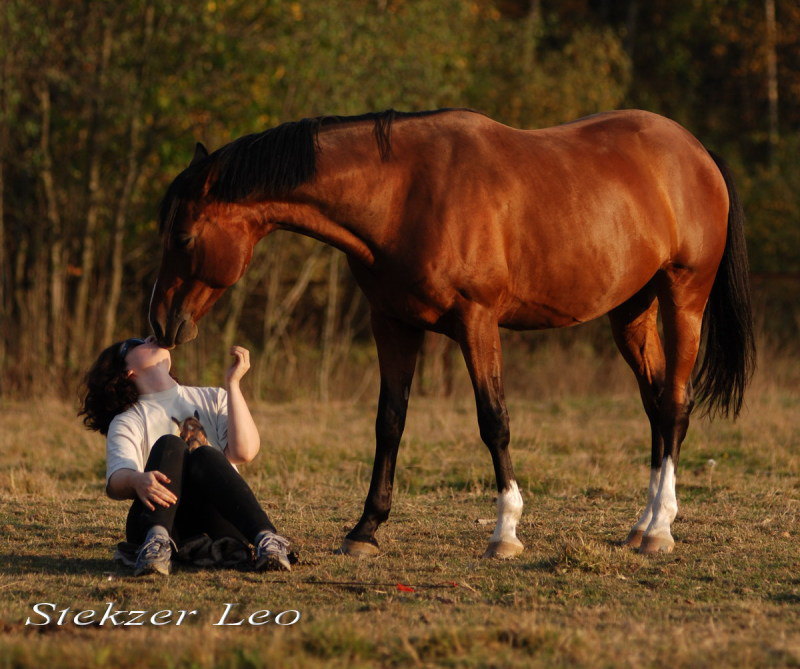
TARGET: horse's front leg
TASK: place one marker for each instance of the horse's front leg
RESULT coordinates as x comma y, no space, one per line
398,345
479,338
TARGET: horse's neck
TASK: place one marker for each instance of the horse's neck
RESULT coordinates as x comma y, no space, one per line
312,220
347,205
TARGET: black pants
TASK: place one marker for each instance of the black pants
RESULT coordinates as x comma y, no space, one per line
212,497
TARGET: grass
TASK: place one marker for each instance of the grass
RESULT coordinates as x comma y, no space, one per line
727,596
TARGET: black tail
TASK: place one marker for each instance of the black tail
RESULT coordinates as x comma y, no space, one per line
730,353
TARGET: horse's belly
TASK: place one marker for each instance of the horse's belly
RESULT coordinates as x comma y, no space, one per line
560,276
574,298
537,316
541,316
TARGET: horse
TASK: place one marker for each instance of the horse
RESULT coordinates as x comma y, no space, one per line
455,223
192,431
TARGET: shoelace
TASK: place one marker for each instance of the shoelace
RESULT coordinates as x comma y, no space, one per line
154,546
273,543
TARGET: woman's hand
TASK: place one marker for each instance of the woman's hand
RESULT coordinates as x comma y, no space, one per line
241,363
243,439
149,487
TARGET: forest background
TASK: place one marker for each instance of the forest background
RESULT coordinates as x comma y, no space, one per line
101,104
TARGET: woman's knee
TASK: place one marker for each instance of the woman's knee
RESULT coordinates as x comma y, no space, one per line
170,442
168,452
205,463
203,455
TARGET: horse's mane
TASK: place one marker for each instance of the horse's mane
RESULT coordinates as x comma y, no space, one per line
271,163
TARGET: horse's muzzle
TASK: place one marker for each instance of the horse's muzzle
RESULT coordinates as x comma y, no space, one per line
179,329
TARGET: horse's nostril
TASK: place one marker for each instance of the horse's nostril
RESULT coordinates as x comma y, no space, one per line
187,331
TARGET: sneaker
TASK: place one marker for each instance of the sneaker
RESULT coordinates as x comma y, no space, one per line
272,552
155,555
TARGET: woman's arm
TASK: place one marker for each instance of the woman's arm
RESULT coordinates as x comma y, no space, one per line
147,486
243,439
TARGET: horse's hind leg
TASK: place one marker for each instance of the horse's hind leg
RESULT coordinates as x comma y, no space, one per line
682,298
479,339
398,345
635,329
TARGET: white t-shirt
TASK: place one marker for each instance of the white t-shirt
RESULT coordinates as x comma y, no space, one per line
133,433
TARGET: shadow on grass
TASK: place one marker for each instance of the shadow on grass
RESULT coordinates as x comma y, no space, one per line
41,564
45,564
785,598
549,564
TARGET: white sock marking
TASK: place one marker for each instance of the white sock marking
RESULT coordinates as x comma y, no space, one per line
665,505
509,510
652,491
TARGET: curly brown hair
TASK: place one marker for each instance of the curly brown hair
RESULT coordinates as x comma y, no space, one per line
106,390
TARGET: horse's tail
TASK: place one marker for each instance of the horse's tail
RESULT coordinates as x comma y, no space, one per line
730,354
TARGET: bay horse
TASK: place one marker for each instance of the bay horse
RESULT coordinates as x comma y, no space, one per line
192,431
455,223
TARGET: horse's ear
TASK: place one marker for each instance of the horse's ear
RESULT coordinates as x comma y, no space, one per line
196,414
177,422
200,152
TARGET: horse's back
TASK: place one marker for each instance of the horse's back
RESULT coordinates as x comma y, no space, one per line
568,222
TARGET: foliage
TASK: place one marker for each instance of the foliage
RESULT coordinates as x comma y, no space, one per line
101,103
772,192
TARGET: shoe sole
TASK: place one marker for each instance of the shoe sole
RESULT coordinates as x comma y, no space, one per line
152,569
271,563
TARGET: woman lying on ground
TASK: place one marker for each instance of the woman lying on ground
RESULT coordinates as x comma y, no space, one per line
182,498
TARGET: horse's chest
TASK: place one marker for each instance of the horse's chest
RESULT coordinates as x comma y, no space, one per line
402,295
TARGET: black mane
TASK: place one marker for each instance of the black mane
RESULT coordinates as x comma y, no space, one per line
270,163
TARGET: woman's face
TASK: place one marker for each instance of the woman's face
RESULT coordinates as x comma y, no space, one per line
145,357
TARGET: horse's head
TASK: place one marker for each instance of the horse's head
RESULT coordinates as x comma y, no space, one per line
207,245
192,431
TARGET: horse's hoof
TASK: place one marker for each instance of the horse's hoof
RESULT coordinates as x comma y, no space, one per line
357,549
503,549
634,539
653,545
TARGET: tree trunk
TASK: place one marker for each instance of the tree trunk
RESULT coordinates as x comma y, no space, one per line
239,294
283,313
329,329
3,307
631,22
129,187
4,270
278,316
772,78
118,233
532,29
57,265
80,345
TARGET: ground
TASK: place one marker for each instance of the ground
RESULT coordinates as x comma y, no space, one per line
727,596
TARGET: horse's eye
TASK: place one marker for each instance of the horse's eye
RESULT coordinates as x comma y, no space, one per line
183,241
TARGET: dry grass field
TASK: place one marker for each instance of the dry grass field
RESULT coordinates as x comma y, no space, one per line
728,596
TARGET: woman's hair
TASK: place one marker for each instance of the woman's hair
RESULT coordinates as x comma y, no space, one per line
106,390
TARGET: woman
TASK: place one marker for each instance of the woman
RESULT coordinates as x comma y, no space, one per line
132,398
